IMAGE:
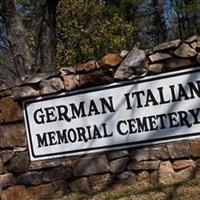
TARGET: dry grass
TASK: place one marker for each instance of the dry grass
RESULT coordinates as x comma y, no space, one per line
185,191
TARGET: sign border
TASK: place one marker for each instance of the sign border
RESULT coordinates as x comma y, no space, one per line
26,102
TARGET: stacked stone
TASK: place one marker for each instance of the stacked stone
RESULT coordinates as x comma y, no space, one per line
163,164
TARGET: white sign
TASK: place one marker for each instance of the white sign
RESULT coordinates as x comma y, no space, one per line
155,109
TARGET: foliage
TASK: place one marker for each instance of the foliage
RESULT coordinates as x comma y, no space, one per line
87,30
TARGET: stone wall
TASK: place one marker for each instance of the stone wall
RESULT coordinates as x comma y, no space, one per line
157,164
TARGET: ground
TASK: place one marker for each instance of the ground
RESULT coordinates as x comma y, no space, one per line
184,191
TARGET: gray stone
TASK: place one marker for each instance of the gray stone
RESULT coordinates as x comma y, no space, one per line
91,79
167,45
197,163
99,183
35,78
43,191
67,70
194,45
148,52
198,58
7,155
143,179
86,67
71,82
10,110
90,165
156,67
197,173
124,53
154,177
127,178
179,150
12,135
80,185
119,165
51,85
168,176
133,65
182,164
195,148
117,154
151,153
184,175
7,180
81,68
19,163
30,178
198,43
185,51
166,173
191,39
19,149
17,192
5,93
24,92
159,57
143,165
177,63
42,164
2,168
97,77
56,173
60,188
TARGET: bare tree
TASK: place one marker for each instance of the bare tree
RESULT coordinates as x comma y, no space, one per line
45,27
159,20
25,63
14,30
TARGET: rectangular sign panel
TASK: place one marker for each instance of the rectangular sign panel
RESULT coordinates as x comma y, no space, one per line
155,109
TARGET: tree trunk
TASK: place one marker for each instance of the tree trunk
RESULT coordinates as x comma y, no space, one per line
160,20
45,27
15,38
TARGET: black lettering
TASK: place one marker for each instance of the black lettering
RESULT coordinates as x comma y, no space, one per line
131,124
107,105
52,139
63,113
81,134
162,98
89,132
150,98
96,133
195,115
194,89
42,140
62,137
138,94
162,117
105,131
39,116
173,120
182,93
142,124
93,109
119,127
72,135
129,107
152,123
173,93
184,119
50,114
78,112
